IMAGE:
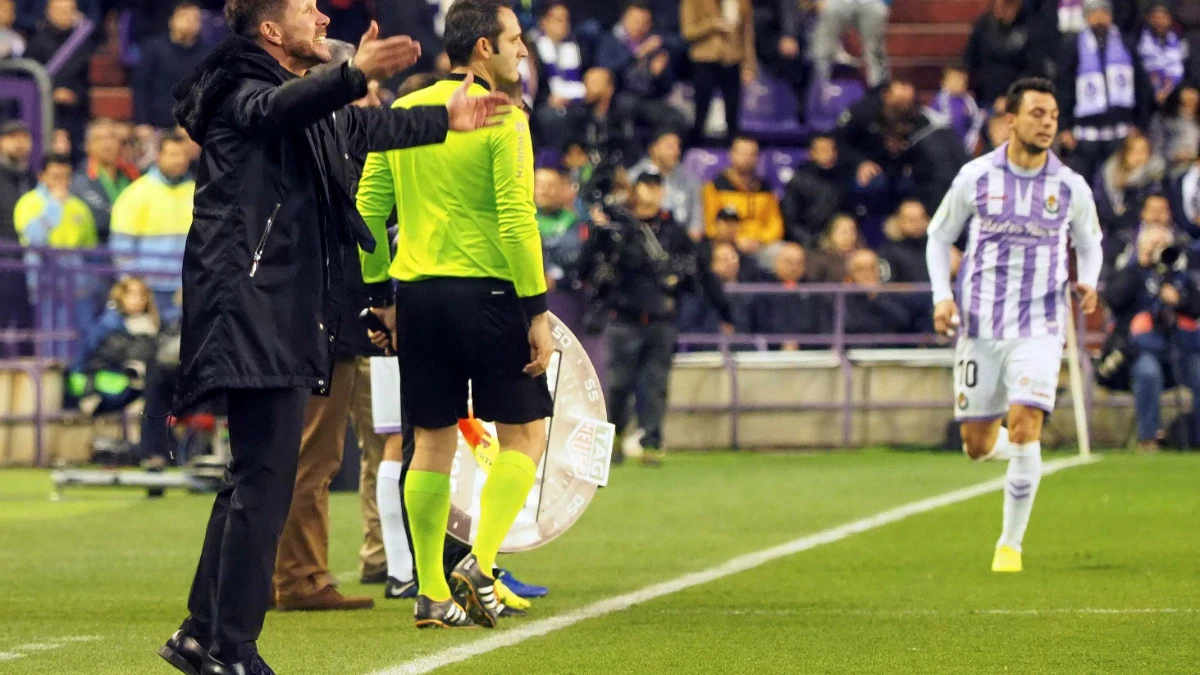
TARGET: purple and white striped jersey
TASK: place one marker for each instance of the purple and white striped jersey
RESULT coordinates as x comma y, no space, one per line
1014,269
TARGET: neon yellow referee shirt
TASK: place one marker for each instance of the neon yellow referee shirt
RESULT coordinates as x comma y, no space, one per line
465,207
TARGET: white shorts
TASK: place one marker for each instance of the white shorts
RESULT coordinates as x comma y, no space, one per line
991,375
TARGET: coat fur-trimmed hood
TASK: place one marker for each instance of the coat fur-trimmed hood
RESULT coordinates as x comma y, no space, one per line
199,96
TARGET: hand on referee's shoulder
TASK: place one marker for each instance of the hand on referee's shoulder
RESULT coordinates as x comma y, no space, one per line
468,113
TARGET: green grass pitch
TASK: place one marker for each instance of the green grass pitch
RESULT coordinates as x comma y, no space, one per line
94,583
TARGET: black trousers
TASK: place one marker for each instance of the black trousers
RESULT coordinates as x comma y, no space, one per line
232,587
639,363
707,78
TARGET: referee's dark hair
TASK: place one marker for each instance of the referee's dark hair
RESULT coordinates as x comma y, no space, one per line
245,16
1012,100
467,22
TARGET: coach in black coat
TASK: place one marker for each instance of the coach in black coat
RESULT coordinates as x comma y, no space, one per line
263,278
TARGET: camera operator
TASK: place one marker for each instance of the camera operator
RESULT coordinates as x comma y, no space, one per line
639,262
1155,301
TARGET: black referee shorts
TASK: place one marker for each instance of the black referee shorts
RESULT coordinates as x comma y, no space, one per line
454,330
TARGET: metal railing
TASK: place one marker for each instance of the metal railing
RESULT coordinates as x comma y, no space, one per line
56,326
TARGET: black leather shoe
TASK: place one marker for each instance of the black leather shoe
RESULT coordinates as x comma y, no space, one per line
251,666
183,652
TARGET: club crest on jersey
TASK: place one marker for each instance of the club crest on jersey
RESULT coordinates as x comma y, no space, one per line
962,401
1052,204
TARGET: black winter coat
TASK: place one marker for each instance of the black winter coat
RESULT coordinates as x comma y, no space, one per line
813,197
14,182
263,274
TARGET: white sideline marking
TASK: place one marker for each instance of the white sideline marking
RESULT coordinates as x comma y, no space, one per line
21,651
930,612
508,638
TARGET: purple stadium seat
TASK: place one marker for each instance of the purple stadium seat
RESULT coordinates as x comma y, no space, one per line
825,109
547,158
778,165
769,111
704,165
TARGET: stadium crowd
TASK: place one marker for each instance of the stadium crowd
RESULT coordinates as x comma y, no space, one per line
635,82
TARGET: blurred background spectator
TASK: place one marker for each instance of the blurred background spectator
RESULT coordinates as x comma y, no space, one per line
562,231
1175,129
827,264
1002,48
560,67
781,44
12,43
869,18
16,178
151,219
681,196
1124,182
741,188
117,350
165,60
797,313
64,44
721,38
819,190
105,174
871,312
638,58
958,105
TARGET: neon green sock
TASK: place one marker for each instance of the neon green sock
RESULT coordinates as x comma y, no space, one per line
503,495
427,497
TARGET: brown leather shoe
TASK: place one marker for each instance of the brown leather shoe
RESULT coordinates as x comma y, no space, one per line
327,598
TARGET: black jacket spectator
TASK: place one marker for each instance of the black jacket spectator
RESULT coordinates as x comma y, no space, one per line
903,262
273,182
1003,47
639,293
813,197
14,182
798,313
162,65
878,315
698,315
634,75
73,75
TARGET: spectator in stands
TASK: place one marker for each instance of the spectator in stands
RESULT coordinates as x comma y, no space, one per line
795,313
956,103
1185,198
60,143
819,190
1163,52
1003,47
164,62
118,348
599,125
151,219
741,188
1155,305
1175,130
1121,246
728,225
872,313
998,132
1124,182
65,44
827,264
1188,15
12,43
870,18
559,72
781,45
1103,90
902,260
16,312
698,315
682,195
642,65
104,176
50,216
562,231
721,38
900,151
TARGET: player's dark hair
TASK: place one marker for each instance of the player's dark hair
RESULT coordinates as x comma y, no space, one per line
467,22
637,4
245,16
56,158
1016,93
169,138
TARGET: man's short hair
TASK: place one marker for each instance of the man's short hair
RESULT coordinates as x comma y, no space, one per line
186,4
97,125
169,137
466,22
1016,93
742,138
416,83
636,4
665,131
552,4
245,16
821,137
57,158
